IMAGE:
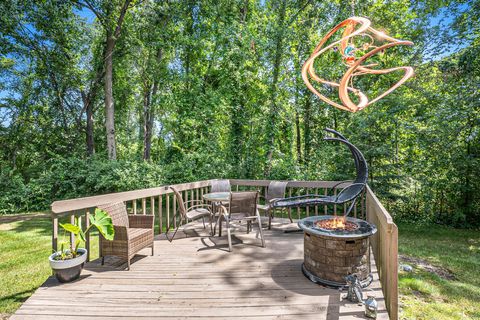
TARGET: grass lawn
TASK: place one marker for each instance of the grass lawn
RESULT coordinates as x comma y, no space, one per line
25,246
426,295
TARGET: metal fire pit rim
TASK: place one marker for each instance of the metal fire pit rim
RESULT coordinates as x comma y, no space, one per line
365,228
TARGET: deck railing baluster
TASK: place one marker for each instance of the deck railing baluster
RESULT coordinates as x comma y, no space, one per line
308,207
144,206
72,236
174,214
152,205
160,214
87,236
168,210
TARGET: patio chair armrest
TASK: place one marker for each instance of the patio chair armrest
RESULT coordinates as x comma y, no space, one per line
141,221
203,205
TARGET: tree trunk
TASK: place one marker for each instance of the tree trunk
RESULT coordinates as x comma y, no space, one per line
273,114
307,144
89,132
109,105
149,116
88,107
299,138
149,112
89,129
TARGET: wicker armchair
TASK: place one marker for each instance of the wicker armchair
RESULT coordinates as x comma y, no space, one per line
276,190
132,233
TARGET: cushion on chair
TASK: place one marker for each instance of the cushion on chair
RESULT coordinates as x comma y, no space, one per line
197,213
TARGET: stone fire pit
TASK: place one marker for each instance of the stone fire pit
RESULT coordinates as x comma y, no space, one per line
331,252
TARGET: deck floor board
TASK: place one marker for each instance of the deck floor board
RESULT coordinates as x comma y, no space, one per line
195,277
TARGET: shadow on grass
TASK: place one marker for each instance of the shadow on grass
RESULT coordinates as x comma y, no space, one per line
40,225
19,297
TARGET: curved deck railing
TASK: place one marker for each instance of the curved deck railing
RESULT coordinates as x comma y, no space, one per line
160,202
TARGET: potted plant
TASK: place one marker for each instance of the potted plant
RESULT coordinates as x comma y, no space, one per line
67,263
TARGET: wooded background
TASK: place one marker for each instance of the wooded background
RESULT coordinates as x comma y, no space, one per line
103,96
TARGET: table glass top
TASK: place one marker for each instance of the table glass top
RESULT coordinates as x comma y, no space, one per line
217,196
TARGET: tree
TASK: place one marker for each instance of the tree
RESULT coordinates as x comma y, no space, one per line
111,21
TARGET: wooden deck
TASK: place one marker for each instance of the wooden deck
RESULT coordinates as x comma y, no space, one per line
196,277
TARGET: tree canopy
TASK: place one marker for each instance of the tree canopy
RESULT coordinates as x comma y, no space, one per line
102,96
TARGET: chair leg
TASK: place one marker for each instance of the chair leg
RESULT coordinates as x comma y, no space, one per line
249,226
219,226
153,249
166,233
103,261
229,236
128,264
259,220
290,216
211,227
269,220
203,220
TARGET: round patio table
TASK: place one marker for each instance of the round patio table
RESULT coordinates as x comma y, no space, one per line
217,197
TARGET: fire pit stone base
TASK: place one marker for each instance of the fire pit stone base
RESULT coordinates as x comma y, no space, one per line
333,259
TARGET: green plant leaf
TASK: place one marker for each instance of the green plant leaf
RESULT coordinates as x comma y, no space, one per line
70,228
103,222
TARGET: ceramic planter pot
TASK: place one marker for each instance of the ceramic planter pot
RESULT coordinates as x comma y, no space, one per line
68,270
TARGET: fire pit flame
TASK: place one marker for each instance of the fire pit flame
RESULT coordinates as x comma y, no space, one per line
337,223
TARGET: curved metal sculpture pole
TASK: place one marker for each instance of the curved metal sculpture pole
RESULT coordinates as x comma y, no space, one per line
347,50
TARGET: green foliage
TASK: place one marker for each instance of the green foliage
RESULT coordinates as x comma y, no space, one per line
100,220
103,222
73,177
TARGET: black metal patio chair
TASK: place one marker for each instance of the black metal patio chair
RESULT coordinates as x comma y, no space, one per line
348,194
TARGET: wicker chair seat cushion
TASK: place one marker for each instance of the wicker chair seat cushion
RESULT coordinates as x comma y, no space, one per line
197,213
135,234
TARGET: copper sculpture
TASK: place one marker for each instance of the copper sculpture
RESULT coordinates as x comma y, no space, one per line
356,66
